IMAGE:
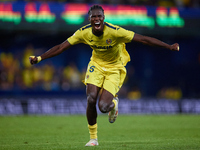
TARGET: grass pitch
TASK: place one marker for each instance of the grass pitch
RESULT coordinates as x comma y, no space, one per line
129,132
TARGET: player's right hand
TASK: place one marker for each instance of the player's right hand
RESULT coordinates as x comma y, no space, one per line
33,60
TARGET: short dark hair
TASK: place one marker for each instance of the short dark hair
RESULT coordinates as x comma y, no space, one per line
95,7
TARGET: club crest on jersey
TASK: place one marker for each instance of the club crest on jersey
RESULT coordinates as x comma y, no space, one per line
108,41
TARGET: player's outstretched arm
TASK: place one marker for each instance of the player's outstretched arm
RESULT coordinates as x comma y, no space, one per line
154,42
54,51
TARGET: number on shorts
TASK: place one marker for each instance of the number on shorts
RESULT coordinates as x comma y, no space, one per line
91,69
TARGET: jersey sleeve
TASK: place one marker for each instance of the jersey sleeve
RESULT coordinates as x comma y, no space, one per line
76,38
124,35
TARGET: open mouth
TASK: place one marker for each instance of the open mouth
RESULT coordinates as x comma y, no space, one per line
97,25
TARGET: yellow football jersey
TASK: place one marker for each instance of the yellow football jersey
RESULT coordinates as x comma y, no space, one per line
109,48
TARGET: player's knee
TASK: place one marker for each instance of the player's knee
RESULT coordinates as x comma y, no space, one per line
104,107
91,100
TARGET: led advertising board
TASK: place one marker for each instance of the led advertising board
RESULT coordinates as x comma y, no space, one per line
71,16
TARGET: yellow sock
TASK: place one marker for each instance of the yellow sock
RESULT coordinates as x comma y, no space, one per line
114,102
93,131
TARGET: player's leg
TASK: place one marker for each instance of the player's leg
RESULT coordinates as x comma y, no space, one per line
91,113
112,115
109,103
112,84
92,94
105,101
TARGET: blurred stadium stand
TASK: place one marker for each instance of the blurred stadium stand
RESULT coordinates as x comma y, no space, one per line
152,72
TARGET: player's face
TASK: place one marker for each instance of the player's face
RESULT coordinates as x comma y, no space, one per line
96,19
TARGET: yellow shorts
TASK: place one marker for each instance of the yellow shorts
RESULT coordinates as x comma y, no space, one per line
111,79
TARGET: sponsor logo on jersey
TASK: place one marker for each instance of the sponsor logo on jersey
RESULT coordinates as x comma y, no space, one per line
101,47
108,41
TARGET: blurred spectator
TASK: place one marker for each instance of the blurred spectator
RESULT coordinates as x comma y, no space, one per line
174,93
27,75
134,94
72,75
27,52
8,69
47,74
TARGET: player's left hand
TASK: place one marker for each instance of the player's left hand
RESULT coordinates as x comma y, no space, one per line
174,47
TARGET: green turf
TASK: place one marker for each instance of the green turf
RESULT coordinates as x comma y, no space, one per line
134,132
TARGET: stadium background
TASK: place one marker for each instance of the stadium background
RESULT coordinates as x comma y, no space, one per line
158,80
